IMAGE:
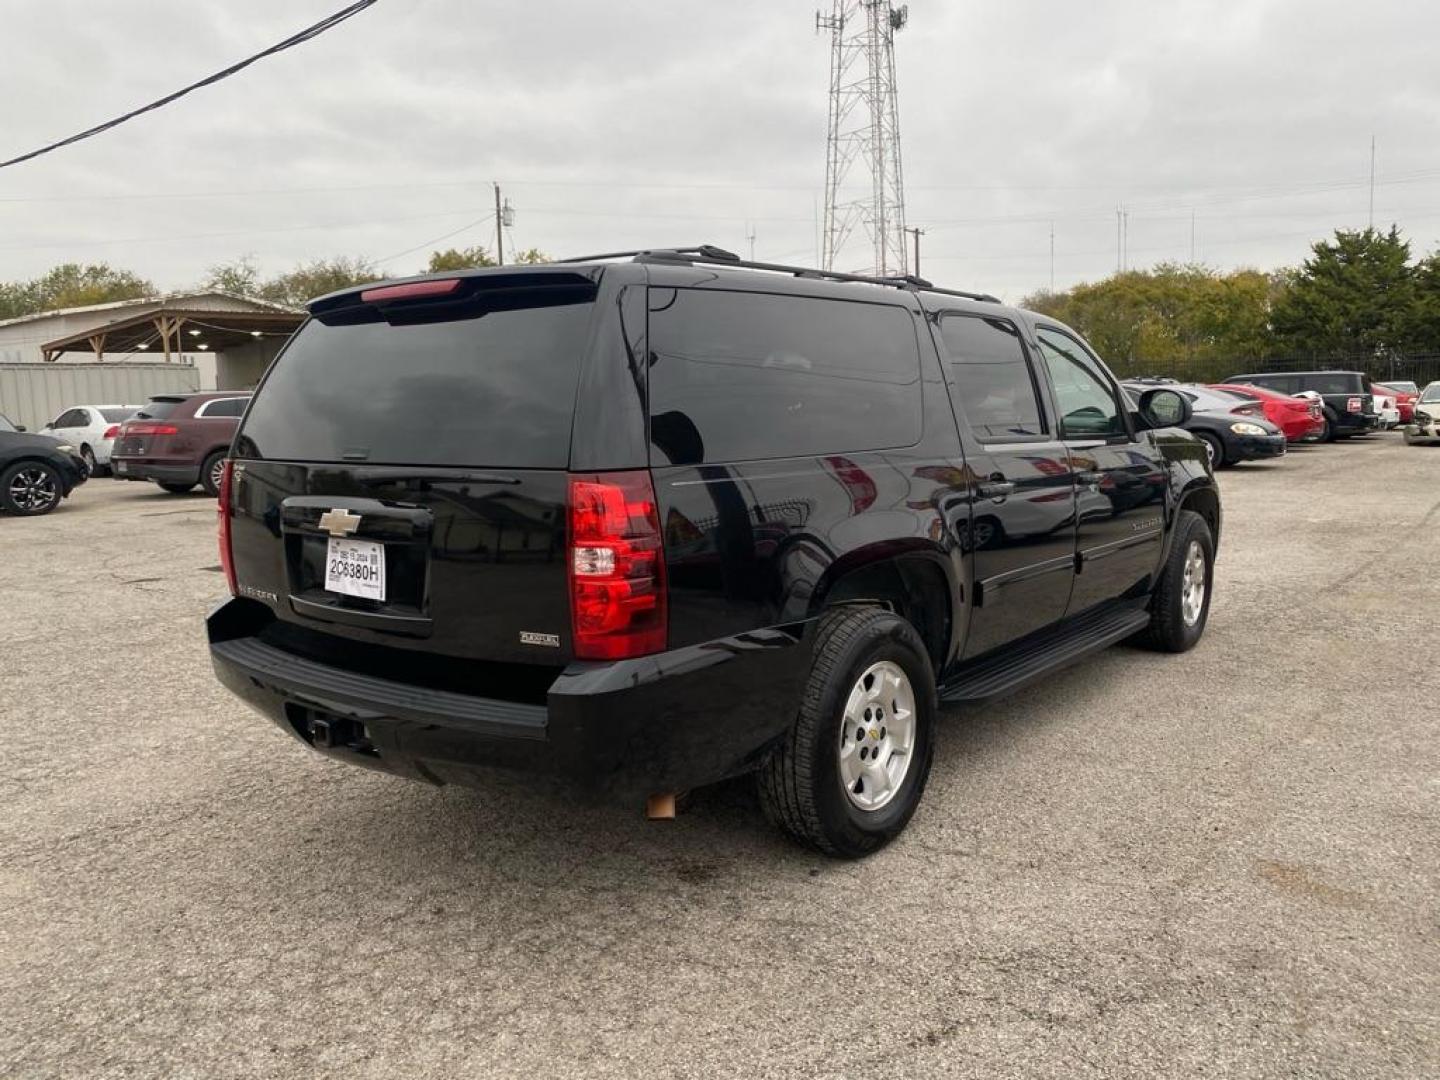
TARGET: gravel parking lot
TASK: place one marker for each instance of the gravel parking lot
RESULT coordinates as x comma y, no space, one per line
1222,864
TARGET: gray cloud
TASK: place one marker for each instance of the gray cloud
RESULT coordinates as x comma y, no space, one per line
619,124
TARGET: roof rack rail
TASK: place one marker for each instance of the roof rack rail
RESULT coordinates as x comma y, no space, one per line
708,254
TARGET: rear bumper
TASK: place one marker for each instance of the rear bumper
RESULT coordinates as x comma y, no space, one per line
625,729
134,469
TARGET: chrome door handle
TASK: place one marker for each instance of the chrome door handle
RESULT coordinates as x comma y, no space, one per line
995,489
1093,479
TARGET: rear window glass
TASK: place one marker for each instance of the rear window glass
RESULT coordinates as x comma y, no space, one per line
738,376
496,389
158,408
115,416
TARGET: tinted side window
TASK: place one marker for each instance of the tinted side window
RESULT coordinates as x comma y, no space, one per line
231,407
990,377
1334,384
72,418
1087,401
737,376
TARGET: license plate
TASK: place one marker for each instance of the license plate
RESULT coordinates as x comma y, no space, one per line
122,467
355,568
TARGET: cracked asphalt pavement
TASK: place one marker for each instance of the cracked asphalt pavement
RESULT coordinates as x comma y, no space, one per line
1223,864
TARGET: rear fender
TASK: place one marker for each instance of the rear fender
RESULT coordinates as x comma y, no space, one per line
914,578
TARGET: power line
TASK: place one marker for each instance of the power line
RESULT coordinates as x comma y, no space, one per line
289,43
453,232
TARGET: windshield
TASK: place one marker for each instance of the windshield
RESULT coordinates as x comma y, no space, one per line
1431,394
495,390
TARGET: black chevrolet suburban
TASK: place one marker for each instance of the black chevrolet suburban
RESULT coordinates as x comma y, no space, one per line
1348,405
656,519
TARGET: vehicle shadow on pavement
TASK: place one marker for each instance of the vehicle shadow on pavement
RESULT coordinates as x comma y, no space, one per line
378,833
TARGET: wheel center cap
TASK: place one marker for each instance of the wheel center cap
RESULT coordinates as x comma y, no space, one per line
875,733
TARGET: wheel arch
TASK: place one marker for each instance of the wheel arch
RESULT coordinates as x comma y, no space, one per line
917,584
1203,499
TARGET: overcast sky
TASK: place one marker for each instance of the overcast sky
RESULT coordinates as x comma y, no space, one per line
622,124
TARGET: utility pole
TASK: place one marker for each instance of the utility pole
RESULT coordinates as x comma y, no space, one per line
751,237
1192,237
499,234
917,233
1052,256
1125,239
864,125
1372,182
1117,240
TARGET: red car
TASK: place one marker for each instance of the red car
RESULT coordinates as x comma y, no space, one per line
1299,418
1404,399
179,440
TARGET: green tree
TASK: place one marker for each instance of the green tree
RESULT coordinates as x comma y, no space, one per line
241,277
1173,317
1354,294
531,257
458,259
1423,334
75,285
317,277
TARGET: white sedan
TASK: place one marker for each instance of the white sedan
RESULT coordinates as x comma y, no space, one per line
91,429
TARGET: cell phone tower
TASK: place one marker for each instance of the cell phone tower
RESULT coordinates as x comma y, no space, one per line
864,125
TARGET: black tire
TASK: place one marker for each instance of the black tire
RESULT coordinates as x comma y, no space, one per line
1328,435
176,489
800,783
209,473
88,456
1217,449
30,489
1169,630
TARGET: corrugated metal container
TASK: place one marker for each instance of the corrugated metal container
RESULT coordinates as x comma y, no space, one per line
34,394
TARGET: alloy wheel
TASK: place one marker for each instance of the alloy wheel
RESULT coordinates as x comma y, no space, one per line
33,490
877,736
1192,584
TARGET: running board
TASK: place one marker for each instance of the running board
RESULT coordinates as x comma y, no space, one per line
1050,650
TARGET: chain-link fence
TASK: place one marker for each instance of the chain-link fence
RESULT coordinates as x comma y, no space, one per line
1419,369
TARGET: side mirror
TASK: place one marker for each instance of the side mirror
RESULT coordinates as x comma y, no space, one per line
1161,408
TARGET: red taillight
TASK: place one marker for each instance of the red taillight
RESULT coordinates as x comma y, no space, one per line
617,567
111,431
227,557
415,290
150,427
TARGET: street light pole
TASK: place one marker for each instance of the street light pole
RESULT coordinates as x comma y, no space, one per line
499,226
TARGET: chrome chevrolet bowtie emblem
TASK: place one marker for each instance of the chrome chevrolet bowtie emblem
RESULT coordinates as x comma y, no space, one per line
339,522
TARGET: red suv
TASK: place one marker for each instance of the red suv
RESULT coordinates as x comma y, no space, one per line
179,440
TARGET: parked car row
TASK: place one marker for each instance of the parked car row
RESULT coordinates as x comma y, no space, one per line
1256,416
175,440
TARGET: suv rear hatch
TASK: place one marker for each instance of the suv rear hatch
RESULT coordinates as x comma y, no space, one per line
400,486
147,433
